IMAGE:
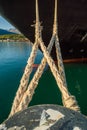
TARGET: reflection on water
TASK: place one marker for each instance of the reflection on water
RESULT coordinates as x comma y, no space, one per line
77,81
78,87
13,58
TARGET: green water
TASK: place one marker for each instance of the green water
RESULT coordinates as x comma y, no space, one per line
13,58
48,92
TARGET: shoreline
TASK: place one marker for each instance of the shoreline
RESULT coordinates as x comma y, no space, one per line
11,40
68,60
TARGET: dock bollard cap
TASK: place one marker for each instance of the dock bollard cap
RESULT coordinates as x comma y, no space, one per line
45,117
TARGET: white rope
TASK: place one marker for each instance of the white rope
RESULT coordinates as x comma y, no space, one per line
60,62
25,79
34,82
25,91
66,95
58,50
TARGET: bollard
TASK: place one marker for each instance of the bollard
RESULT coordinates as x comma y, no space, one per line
46,117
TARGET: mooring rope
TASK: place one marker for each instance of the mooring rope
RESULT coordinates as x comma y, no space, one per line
25,91
28,69
69,100
25,79
66,95
27,97
57,46
22,90
60,62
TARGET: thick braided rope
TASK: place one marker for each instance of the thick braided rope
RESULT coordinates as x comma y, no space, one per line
25,79
59,58
72,104
60,62
61,85
60,66
28,69
34,82
57,45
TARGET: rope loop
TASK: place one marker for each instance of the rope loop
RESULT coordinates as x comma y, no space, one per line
71,103
26,90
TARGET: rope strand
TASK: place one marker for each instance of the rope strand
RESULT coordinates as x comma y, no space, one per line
63,89
25,92
25,79
27,97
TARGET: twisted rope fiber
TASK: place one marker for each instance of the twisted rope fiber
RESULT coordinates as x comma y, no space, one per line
28,95
66,95
30,91
25,79
57,46
60,62
28,69
68,100
63,77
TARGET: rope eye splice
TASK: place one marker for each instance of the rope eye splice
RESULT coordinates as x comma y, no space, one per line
26,91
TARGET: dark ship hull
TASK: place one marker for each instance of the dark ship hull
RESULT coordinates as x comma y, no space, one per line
72,23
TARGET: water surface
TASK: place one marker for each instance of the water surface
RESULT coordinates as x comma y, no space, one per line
13,58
